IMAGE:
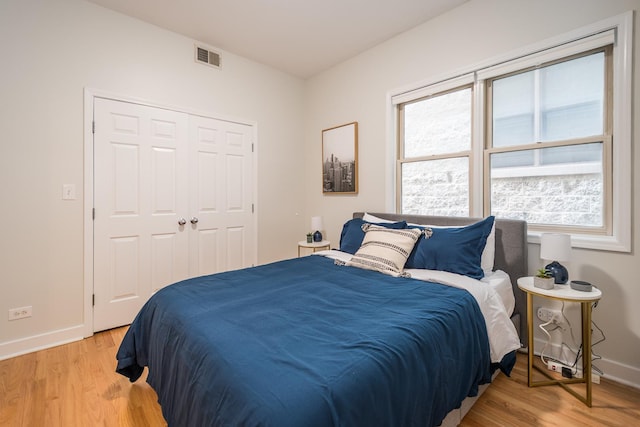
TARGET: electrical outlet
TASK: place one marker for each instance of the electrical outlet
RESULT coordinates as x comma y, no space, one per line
548,314
553,316
20,312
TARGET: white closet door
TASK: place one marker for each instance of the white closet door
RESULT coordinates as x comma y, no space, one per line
140,195
220,190
173,198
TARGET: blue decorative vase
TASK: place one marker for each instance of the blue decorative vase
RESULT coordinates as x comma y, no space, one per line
559,272
317,236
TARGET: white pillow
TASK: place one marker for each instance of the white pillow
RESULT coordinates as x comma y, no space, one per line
488,253
385,249
372,218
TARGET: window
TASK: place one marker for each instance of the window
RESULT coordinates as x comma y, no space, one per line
545,137
435,154
549,144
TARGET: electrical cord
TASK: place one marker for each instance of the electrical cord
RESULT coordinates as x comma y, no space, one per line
578,353
542,327
594,355
574,367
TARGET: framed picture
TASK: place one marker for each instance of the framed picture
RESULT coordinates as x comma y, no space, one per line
340,159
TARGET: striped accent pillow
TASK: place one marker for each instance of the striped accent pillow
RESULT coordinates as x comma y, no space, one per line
385,249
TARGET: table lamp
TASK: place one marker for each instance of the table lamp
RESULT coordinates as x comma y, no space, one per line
556,247
316,225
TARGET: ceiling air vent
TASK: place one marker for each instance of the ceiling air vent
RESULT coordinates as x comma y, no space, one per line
205,56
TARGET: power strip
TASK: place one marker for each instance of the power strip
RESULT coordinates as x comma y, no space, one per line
566,371
559,367
555,366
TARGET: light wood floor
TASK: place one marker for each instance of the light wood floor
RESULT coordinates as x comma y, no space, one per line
75,385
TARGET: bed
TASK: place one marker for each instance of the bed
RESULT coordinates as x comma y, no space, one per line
315,341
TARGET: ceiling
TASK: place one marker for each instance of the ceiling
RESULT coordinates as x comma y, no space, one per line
298,37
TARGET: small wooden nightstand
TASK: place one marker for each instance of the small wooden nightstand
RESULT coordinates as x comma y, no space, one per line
562,293
316,246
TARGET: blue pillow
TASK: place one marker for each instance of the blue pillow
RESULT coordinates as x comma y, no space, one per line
352,234
453,249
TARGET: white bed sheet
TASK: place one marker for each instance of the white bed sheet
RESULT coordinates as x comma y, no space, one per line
500,281
493,294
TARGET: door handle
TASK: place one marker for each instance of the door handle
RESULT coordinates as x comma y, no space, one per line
194,220
182,221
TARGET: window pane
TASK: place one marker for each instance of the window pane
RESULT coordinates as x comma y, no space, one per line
509,160
436,187
513,107
568,190
548,156
438,125
572,98
560,101
571,154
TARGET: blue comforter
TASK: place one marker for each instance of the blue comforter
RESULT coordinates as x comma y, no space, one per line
304,342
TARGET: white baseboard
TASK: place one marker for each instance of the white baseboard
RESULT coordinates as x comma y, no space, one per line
612,370
40,342
620,373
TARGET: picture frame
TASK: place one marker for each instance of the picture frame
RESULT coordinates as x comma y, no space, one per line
340,159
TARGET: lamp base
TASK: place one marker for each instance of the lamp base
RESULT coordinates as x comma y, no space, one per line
559,272
317,236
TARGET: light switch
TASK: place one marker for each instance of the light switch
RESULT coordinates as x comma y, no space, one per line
68,192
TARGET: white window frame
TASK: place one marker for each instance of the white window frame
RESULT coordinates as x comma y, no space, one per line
600,43
618,28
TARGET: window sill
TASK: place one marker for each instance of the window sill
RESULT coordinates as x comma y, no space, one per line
585,241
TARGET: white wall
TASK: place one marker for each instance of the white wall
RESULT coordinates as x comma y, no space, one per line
51,51
356,90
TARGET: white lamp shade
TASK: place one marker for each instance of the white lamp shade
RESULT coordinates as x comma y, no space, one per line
316,223
555,247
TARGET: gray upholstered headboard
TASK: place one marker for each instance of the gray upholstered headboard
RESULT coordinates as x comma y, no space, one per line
510,255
